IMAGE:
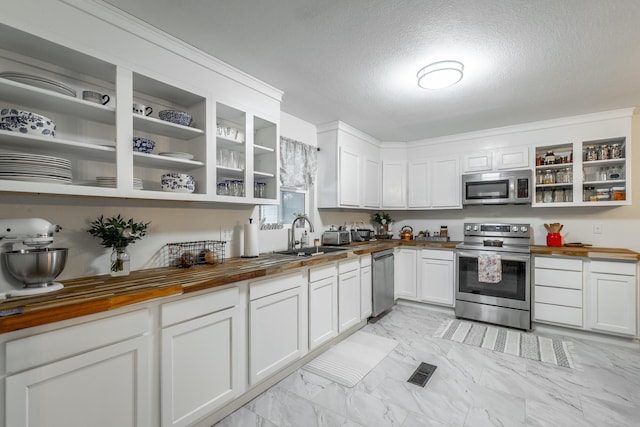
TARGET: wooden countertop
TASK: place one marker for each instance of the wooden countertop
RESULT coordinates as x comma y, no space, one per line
588,252
96,294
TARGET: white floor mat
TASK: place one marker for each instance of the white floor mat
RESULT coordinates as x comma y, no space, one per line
349,361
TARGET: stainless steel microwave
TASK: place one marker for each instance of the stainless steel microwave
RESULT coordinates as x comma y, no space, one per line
495,188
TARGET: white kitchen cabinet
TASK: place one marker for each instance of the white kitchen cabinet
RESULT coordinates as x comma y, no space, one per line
371,182
97,139
278,328
558,290
349,178
405,276
350,165
612,297
496,159
199,355
436,277
366,287
348,294
394,184
434,183
323,305
419,184
95,374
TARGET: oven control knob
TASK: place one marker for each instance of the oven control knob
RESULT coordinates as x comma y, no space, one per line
475,228
514,229
468,228
523,229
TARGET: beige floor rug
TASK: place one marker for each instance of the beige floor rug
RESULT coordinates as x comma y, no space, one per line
509,341
351,360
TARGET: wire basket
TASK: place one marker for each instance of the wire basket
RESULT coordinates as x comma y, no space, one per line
189,254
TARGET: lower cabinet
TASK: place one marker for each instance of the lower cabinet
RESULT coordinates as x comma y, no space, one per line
558,290
405,273
348,294
323,305
278,328
612,297
366,287
436,279
199,356
93,374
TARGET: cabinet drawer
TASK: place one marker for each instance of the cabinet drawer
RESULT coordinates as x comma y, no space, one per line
558,314
558,278
319,273
365,260
435,254
558,296
274,285
190,308
558,263
622,268
48,347
346,266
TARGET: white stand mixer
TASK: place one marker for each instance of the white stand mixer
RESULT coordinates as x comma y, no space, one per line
30,271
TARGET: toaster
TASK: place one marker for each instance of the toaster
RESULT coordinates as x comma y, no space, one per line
335,237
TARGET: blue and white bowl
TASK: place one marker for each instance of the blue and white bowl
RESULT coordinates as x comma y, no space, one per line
26,122
178,183
143,145
177,117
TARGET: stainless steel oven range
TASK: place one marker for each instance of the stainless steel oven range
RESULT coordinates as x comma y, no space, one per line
493,283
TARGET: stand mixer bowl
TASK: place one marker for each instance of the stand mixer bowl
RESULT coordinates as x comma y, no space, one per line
36,267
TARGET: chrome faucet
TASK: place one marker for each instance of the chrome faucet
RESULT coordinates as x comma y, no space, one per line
292,237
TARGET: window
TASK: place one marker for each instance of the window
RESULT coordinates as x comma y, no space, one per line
292,202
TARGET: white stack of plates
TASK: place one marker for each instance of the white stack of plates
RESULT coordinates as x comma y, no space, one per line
35,168
111,182
37,81
177,155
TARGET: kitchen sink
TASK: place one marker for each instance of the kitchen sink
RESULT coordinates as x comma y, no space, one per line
320,250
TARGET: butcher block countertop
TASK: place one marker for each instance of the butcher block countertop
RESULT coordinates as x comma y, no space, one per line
97,294
614,254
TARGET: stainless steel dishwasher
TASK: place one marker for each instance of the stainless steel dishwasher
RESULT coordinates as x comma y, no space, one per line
383,298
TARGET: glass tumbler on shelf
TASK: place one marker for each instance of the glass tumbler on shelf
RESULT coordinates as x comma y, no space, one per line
547,196
568,195
558,195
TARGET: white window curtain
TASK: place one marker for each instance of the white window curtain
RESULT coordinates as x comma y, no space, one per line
298,164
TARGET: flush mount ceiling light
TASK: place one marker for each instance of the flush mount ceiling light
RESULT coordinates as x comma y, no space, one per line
440,74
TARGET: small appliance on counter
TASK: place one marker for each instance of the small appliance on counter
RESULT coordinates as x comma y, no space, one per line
360,232
32,270
336,236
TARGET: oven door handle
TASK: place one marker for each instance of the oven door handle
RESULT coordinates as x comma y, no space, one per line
504,255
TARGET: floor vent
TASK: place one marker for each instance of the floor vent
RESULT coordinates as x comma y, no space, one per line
422,374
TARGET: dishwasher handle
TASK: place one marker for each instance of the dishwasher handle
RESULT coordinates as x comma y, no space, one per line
382,254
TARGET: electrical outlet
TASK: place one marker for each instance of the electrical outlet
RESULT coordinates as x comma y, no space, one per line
597,228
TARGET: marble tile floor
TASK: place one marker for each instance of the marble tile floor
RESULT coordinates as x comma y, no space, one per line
471,387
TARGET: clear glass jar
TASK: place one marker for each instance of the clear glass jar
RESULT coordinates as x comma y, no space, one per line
568,176
591,154
613,172
603,152
615,151
568,195
589,194
602,175
547,196
560,176
549,177
539,177
558,195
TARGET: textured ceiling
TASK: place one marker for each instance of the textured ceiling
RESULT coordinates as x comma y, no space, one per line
356,60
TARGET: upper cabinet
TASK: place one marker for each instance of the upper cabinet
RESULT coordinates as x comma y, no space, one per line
434,183
125,129
585,173
502,158
350,168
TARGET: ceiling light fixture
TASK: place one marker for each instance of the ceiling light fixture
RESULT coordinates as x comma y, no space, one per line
440,74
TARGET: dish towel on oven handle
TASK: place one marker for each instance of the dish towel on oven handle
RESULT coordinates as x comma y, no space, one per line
489,268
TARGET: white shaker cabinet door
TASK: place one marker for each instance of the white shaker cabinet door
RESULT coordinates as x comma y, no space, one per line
394,184
366,297
197,359
349,180
419,184
437,281
612,303
371,183
276,332
445,183
106,387
323,311
405,277
348,299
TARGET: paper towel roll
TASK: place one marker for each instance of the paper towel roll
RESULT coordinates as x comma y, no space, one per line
251,240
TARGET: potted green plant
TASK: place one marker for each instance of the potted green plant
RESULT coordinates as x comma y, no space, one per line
383,219
117,233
